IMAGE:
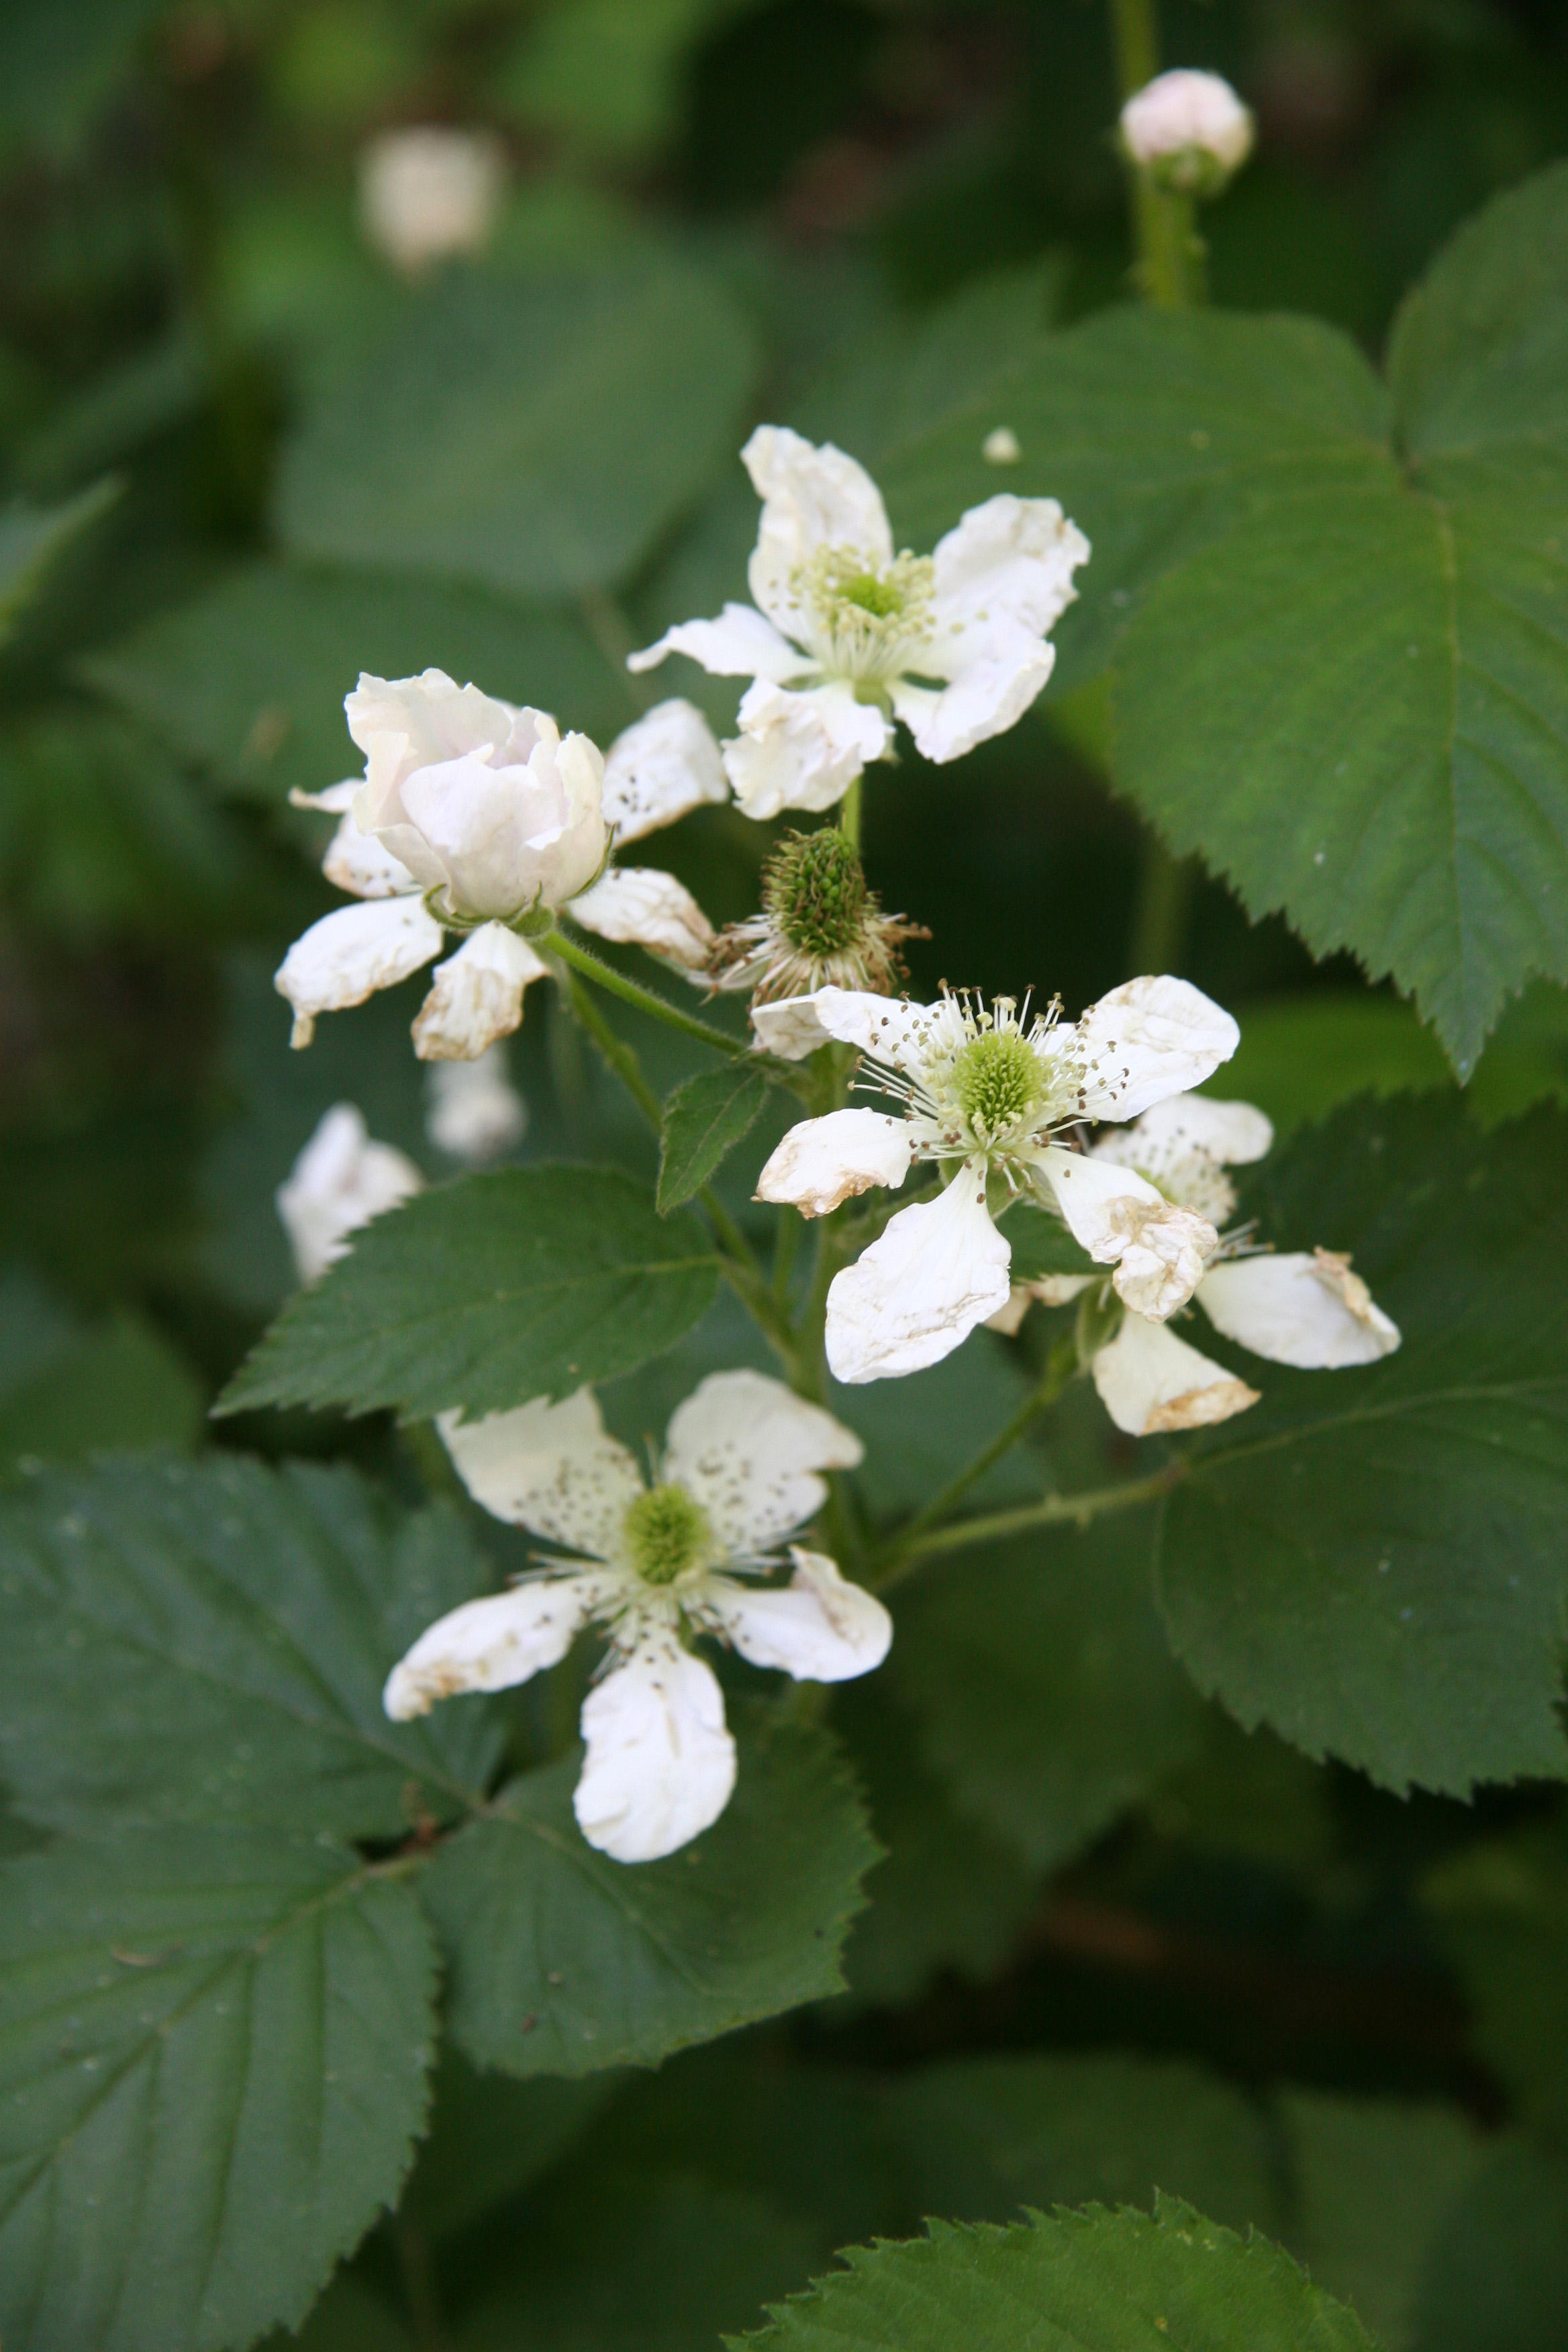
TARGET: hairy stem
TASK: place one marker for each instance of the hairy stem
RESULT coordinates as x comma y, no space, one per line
1051,1511
605,976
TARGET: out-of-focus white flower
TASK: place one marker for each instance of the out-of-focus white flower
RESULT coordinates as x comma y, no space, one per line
845,633
654,1565
340,1182
473,1112
1000,446
1303,1307
477,817
1188,130
984,1092
427,193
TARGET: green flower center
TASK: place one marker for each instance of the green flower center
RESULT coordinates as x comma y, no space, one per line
997,1079
815,889
666,1534
881,598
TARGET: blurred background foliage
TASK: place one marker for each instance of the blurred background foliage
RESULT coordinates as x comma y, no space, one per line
244,456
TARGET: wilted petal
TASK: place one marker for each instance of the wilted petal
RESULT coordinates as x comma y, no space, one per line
340,1182
550,1467
1149,1038
940,1268
665,764
478,996
1096,1198
1006,670
818,1628
660,1764
801,750
739,644
647,909
826,1160
1163,1260
492,1644
362,864
750,1451
812,498
348,955
1150,1381
1305,1308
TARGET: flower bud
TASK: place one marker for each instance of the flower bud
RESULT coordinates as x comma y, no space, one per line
1189,131
427,193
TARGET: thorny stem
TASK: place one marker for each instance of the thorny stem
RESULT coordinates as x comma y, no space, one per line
1053,1511
604,975
1061,1367
1170,275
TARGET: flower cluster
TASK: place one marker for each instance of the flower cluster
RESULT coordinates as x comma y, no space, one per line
654,1564
1302,1308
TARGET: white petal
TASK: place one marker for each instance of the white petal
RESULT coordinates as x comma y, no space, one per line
649,909
362,864
1047,1290
1233,1133
940,1268
473,1111
1151,1380
334,800
348,954
431,716
1008,563
801,750
884,1025
1305,1308
660,1765
812,498
1163,1260
656,770
825,1160
1095,1198
739,644
818,1628
1149,1038
749,1450
340,1182
989,693
478,996
504,836
551,1467
1008,1319
492,1644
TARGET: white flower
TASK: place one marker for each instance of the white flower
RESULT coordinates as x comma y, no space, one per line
654,1565
340,1182
1303,1307
850,635
473,1112
427,192
1190,129
473,816
983,1094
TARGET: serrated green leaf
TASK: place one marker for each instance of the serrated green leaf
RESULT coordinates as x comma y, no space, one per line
1048,1696
703,1122
250,678
1090,2282
526,1282
1375,1562
208,1641
213,2051
538,438
561,1962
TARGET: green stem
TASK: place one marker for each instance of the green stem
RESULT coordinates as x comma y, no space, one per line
849,815
1054,1510
1161,909
616,1051
417,2265
658,1008
1059,1370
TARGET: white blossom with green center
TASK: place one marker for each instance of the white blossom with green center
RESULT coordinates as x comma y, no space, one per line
847,634
654,1565
987,1092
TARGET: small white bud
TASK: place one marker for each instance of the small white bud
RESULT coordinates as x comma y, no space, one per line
1188,130
1000,447
429,193
473,1112
340,1182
